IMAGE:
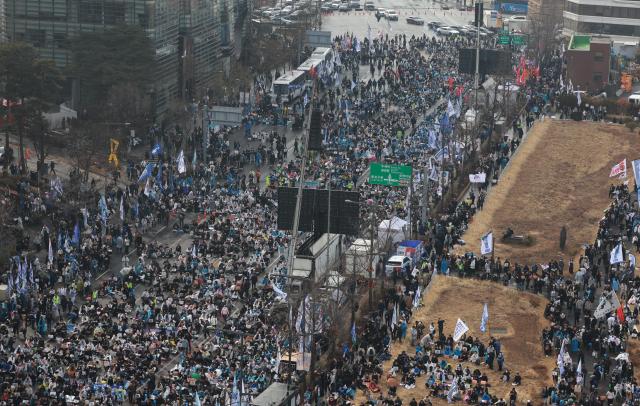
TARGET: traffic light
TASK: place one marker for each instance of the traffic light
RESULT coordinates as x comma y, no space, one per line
478,14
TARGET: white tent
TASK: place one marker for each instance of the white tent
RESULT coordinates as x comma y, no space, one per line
392,231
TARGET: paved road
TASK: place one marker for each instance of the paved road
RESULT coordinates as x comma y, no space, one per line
358,22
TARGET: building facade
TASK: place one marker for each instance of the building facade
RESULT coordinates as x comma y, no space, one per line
588,62
187,34
543,9
3,24
617,19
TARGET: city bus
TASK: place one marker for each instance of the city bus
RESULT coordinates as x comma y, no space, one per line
290,86
308,65
322,53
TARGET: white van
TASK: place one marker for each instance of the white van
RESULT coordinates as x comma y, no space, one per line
395,264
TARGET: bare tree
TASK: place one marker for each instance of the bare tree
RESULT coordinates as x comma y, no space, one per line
88,142
41,138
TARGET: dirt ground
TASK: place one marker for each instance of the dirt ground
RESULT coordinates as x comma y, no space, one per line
516,318
559,176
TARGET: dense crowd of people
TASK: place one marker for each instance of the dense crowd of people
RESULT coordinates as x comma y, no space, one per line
157,290
593,365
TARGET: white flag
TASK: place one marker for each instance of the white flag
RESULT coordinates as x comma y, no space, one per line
632,261
486,243
460,329
416,298
619,169
560,360
579,369
50,256
394,318
279,291
182,168
561,83
122,208
450,110
452,390
485,318
579,98
616,255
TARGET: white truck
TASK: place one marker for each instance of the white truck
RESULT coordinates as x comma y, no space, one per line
490,19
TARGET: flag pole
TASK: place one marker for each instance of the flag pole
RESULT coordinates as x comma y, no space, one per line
493,244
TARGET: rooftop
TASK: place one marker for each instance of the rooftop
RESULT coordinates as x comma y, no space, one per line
580,43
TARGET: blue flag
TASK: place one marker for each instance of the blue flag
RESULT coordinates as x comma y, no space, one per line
354,338
235,394
102,205
146,173
485,319
157,150
76,235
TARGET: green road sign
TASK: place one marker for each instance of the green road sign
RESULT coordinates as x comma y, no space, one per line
518,40
504,39
389,175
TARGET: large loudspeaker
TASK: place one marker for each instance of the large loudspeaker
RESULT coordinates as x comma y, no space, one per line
492,61
478,11
315,131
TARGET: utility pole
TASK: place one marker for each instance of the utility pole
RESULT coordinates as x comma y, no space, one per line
371,235
476,81
296,223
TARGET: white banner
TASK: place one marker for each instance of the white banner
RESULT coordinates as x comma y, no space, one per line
486,244
619,169
608,303
461,328
477,177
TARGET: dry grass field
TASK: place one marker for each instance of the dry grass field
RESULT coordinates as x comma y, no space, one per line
559,176
516,318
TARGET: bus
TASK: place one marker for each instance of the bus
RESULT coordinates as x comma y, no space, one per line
322,53
308,65
290,86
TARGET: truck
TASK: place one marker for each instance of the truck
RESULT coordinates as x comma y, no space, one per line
312,260
490,19
358,258
516,24
411,249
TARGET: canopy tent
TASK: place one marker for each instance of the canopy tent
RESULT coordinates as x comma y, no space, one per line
392,231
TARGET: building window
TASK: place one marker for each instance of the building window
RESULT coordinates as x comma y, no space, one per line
60,40
598,57
90,11
597,77
37,38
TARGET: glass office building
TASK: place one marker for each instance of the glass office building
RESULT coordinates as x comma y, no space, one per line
187,34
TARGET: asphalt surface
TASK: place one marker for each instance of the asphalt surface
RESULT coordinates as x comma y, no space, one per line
358,22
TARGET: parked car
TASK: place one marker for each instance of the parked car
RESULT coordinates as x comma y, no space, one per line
334,6
326,7
392,15
434,25
415,20
344,7
381,13
368,5
445,7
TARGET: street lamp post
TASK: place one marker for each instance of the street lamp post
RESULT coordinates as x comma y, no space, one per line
371,253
